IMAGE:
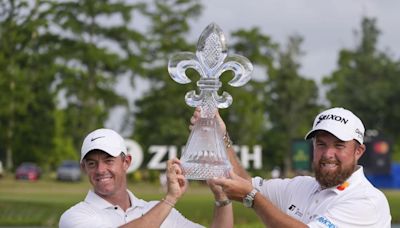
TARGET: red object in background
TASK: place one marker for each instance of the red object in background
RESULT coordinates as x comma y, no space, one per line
28,171
381,147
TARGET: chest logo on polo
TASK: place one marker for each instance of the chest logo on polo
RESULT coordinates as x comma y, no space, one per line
343,186
295,210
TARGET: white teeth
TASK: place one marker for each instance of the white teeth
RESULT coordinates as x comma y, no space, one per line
329,165
105,178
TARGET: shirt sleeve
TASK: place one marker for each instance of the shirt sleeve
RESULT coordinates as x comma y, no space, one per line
274,190
176,219
79,218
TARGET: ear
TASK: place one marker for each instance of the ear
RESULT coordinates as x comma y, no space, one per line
359,151
127,161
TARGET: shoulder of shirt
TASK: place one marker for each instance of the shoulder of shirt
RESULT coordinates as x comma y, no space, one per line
307,179
79,208
366,190
295,183
79,212
303,182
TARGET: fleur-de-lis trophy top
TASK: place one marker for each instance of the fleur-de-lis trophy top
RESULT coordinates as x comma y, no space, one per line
205,153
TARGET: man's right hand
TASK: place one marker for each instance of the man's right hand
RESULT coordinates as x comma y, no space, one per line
219,194
176,182
235,187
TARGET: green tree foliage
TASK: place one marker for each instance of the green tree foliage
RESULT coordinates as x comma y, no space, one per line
367,82
60,61
92,53
293,101
247,118
282,102
161,115
63,144
26,76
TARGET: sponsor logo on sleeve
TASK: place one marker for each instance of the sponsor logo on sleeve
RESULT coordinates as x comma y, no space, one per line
326,222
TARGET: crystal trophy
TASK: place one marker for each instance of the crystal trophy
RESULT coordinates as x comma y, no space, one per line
204,156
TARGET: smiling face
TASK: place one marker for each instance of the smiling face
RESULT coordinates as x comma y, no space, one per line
334,160
106,173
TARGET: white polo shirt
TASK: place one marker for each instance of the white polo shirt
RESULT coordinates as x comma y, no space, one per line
355,204
94,211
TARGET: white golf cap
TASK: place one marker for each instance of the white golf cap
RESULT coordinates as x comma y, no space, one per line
105,140
339,122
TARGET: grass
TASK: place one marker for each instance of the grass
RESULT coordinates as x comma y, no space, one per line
41,203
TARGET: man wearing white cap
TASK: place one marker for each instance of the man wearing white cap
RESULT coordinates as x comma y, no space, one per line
338,196
105,160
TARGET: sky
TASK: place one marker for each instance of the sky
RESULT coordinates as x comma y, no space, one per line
325,25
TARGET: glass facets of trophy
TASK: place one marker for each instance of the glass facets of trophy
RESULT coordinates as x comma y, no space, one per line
204,156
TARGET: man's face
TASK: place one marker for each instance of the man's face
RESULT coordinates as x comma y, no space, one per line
106,173
334,160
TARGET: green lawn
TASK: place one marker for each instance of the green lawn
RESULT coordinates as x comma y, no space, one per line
41,203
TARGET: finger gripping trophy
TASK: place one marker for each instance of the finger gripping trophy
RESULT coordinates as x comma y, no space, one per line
204,156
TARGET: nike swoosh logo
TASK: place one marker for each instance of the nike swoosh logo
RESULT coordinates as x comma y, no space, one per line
96,138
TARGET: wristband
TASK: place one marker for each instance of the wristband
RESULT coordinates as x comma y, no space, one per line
222,203
168,202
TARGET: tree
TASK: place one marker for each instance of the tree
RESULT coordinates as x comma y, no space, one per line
92,53
26,77
248,112
292,103
367,82
285,100
161,115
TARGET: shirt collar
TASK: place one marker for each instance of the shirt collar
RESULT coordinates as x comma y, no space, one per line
135,201
97,201
351,182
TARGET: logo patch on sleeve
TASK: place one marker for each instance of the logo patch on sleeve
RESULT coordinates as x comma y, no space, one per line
326,222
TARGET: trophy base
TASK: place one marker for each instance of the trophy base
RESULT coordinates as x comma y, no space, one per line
199,171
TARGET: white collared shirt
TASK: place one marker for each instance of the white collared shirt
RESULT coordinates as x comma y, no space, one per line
355,204
94,211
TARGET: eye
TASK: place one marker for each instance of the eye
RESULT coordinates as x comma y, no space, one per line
320,144
110,161
91,164
340,146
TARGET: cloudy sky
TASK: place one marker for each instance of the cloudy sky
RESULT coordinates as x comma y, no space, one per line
326,25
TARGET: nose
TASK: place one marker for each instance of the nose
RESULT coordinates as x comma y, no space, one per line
329,152
101,167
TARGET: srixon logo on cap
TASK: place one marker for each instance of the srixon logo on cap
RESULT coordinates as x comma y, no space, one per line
331,117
